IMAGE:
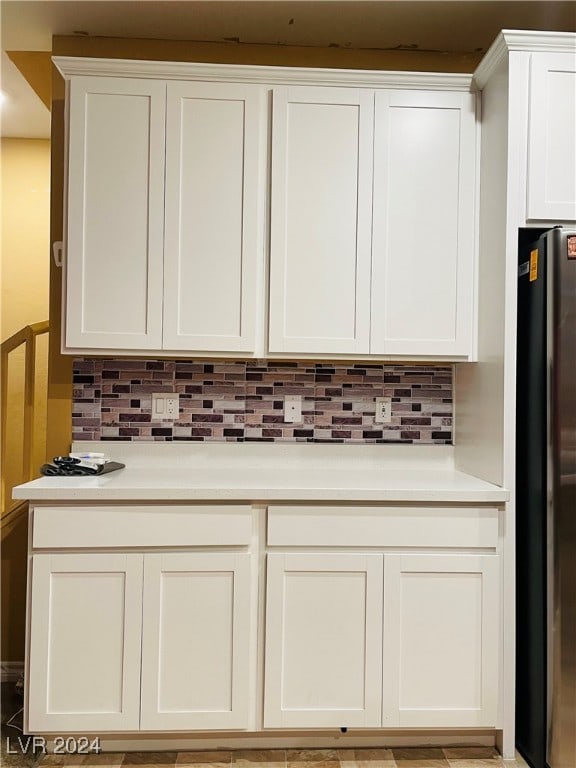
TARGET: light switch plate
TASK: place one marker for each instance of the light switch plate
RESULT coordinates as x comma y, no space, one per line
383,410
165,406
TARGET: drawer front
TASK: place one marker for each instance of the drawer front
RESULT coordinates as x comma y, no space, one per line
140,526
382,526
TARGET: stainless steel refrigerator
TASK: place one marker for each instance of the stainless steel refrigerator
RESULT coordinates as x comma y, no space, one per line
546,499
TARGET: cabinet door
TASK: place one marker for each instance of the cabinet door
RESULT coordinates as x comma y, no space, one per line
320,220
552,132
85,624
115,215
215,156
423,227
441,629
196,643
323,641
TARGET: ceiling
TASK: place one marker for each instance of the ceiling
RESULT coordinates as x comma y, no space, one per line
423,25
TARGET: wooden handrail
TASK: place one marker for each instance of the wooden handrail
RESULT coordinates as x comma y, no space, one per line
23,334
26,336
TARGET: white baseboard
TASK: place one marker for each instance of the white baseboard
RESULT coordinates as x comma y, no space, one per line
179,743
10,671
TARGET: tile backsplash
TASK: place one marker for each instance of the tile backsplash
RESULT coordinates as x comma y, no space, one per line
244,401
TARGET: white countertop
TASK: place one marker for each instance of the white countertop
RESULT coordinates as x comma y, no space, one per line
270,472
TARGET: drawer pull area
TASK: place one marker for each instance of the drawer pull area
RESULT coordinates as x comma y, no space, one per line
382,526
120,526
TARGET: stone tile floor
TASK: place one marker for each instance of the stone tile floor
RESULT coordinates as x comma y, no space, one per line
409,757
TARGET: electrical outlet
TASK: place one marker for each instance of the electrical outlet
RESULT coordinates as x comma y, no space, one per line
165,406
383,410
293,409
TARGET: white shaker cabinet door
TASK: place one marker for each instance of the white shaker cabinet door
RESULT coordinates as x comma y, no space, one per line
215,161
323,650
423,223
196,642
84,667
320,220
552,137
115,213
441,640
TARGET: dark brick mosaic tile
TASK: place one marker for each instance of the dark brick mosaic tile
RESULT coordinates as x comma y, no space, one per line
237,401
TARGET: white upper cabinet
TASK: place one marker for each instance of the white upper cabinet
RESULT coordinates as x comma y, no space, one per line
423,223
320,220
552,137
115,219
214,216
165,215
369,248
372,229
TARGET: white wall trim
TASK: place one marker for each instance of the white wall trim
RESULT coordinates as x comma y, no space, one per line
299,740
10,671
178,70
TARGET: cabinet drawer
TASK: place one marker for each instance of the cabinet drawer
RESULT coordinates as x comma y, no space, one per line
382,526
141,526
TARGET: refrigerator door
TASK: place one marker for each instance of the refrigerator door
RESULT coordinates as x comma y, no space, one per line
561,256
546,499
531,501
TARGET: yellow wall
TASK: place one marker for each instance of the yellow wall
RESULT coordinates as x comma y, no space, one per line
25,216
36,67
25,274
25,232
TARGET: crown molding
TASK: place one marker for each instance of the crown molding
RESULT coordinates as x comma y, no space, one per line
539,42
496,54
526,41
176,70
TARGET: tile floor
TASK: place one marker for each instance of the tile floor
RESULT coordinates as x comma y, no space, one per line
412,757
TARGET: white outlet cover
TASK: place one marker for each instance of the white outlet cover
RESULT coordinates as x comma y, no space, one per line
293,409
165,406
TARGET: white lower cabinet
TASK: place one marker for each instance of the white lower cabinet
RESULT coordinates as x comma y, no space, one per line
413,645
129,642
196,641
441,630
371,624
323,640
84,656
